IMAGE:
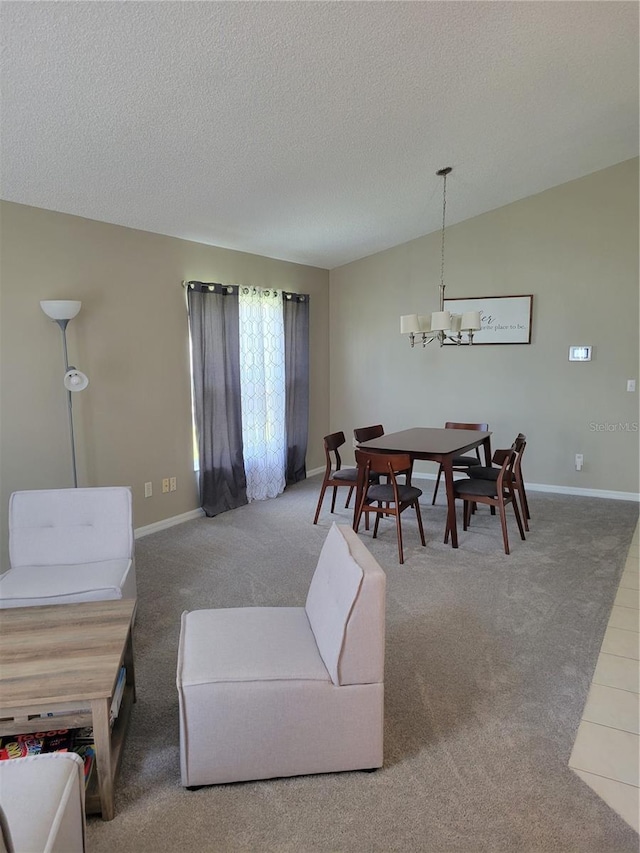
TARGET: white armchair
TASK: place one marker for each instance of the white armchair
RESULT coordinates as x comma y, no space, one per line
42,804
69,545
284,691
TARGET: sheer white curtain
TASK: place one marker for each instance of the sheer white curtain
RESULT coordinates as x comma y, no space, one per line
262,386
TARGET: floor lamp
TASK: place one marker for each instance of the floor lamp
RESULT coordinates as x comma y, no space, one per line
61,311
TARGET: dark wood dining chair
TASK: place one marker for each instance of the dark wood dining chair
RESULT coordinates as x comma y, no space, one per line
367,433
460,463
390,498
484,473
496,493
335,476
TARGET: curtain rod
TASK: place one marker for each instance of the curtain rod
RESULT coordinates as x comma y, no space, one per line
211,285
288,295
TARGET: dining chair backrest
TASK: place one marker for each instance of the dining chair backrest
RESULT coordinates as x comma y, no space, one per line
519,444
383,463
506,471
456,425
367,433
331,444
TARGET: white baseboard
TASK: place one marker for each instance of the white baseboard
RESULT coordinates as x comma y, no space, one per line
586,493
541,487
139,532
606,494
531,487
562,490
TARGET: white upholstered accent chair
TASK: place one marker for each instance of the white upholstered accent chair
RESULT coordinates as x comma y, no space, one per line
283,691
69,545
42,804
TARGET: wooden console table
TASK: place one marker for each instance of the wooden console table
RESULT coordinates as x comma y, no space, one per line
66,658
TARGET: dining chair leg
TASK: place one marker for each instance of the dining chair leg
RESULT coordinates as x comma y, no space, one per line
333,499
517,514
319,507
357,513
375,526
447,527
399,534
466,514
435,490
346,506
451,503
524,502
503,522
523,511
420,527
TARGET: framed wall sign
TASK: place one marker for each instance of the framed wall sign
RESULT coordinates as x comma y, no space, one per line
504,319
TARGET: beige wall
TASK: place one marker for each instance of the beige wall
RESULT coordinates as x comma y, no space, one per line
133,422
575,248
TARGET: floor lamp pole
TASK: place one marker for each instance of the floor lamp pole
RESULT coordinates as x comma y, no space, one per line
61,311
63,328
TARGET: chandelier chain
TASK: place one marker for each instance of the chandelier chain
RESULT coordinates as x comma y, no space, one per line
444,210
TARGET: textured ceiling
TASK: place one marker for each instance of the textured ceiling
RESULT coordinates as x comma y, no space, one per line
309,131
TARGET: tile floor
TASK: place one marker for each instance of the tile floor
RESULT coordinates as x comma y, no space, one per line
606,753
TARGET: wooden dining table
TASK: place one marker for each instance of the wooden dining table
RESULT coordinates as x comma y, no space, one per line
435,445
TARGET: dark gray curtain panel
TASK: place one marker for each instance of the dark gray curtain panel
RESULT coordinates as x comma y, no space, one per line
215,343
296,359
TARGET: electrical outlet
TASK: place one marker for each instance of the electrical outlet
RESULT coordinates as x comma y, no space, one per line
631,385
165,485
172,484
579,461
148,490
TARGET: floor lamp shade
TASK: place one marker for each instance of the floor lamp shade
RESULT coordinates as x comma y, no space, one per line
60,309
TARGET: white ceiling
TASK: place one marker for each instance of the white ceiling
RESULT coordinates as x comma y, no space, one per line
309,131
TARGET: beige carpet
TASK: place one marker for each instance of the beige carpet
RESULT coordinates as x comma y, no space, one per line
489,660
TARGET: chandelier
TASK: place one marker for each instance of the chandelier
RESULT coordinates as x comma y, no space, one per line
442,325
